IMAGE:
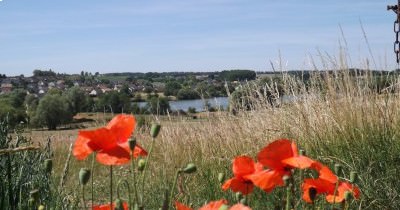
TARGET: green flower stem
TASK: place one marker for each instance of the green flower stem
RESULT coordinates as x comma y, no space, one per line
111,186
173,186
145,169
123,181
83,197
92,180
334,194
134,179
288,196
345,205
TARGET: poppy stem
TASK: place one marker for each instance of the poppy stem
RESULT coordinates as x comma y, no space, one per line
134,179
173,186
83,196
123,181
288,195
334,194
145,169
111,186
92,180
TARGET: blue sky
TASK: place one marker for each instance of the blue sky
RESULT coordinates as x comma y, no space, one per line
189,35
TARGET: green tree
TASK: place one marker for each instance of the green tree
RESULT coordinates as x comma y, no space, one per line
187,93
17,98
77,99
158,105
172,88
239,75
52,111
114,102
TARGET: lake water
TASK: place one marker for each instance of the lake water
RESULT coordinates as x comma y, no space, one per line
198,104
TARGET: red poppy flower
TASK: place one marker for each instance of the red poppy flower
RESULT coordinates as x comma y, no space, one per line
242,167
239,206
110,142
180,206
279,156
314,187
282,155
324,172
107,207
213,205
267,180
342,189
321,186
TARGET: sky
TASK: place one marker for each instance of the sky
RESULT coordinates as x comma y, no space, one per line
192,35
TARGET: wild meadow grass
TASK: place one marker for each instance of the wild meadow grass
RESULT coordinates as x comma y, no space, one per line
335,117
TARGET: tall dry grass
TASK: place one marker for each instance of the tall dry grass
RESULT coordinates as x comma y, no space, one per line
336,116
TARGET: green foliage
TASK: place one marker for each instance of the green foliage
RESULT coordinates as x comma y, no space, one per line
52,111
239,75
115,102
22,172
12,107
172,88
158,105
77,99
192,110
44,73
187,93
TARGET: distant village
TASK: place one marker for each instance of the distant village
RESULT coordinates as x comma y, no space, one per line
97,84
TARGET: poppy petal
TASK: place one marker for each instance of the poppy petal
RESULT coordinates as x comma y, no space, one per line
114,156
272,155
243,165
267,180
122,125
301,162
239,206
100,139
138,151
320,185
324,172
342,188
180,206
81,149
107,206
213,205
238,185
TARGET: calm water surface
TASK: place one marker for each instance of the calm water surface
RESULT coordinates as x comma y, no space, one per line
198,104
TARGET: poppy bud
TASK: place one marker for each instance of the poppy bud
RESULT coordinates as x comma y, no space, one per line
141,164
286,180
312,193
353,177
118,204
190,168
221,177
34,194
238,196
348,195
41,207
338,168
84,175
48,165
224,207
132,144
155,129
